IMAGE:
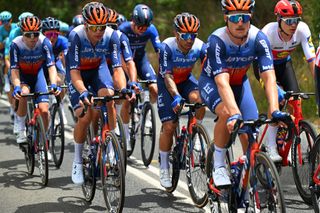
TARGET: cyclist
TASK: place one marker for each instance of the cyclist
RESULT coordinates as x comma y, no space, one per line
64,28
223,83
28,54
285,35
139,31
176,82
86,67
76,21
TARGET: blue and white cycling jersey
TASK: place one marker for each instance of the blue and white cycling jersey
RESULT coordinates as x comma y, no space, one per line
61,45
138,42
225,56
124,47
4,33
180,65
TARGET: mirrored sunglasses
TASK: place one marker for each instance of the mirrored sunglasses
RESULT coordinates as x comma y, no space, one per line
95,28
50,35
291,21
236,18
187,36
31,34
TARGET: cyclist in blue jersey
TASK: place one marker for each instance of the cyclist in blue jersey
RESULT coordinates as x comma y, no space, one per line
87,69
176,82
76,21
224,85
129,68
64,28
139,31
29,53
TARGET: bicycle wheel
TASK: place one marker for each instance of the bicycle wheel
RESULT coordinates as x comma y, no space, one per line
314,166
57,135
29,148
88,167
266,195
196,165
112,173
132,130
42,150
148,133
121,136
300,162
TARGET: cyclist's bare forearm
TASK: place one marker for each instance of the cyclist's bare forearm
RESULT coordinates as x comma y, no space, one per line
131,71
269,79
171,85
77,81
119,78
15,77
311,67
53,74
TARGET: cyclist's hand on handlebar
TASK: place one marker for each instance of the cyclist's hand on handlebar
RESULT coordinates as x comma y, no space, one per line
176,103
232,120
85,98
129,94
135,86
56,90
283,118
16,92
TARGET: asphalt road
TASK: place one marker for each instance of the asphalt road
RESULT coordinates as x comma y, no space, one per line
20,192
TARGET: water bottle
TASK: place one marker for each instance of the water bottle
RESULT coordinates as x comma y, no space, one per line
281,136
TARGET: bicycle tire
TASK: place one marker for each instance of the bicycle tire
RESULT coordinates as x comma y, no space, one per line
42,151
122,140
301,171
197,158
57,132
275,202
148,134
314,164
29,148
112,173
132,131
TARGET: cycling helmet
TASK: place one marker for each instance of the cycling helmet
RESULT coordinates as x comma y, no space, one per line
64,27
186,23
142,15
234,5
288,8
50,24
95,13
77,20
113,16
30,23
5,16
121,19
24,14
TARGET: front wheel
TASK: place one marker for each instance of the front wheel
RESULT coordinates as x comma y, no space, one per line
121,135
301,159
29,148
265,195
148,134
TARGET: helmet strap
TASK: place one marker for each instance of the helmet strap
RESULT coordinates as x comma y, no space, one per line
281,30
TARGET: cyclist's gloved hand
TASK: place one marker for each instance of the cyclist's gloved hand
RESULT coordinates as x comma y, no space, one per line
134,85
85,97
231,122
281,93
280,116
176,101
16,92
129,94
56,89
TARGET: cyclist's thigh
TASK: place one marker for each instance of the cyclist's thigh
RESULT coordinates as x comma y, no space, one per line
102,79
60,68
41,86
164,102
286,76
187,87
209,92
144,69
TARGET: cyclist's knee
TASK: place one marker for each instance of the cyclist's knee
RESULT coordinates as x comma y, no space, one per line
168,128
194,97
222,112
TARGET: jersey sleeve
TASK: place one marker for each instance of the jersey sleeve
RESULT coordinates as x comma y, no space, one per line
165,60
48,52
263,52
125,47
114,46
156,43
203,52
64,45
14,56
306,42
73,55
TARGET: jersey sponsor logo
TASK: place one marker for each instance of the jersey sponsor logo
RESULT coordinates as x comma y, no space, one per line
115,52
207,88
160,100
165,58
208,68
76,53
185,60
240,59
268,67
47,52
283,54
266,48
310,42
218,49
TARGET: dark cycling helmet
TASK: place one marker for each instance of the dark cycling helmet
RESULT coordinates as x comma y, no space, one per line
95,13
142,15
186,23
113,16
77,20
288,8
5,16
30,23
234,5
50,24
24,14
121,19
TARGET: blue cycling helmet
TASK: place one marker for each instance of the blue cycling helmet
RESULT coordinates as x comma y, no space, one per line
64,27
50,23
142,15
5,16
24,14
77,20
121,18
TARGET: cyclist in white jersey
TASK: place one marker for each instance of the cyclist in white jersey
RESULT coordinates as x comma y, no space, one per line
285,35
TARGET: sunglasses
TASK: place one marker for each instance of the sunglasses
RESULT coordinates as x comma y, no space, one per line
236,18
142,28
31,34
6,21
291,21
95,28
113,26
50,35
187,36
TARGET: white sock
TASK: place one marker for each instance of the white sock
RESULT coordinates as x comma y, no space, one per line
219,157
78,152
271,136
118,108
126,130
21,122
164,160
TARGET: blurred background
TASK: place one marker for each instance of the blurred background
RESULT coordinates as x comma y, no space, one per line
210,15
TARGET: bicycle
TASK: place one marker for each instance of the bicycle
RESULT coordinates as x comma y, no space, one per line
56,131
254,170
104,154
315,175
189,156
36,138
147,126
300,145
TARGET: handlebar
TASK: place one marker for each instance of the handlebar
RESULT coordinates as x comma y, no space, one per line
192,107
34,95
296,95
147,81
